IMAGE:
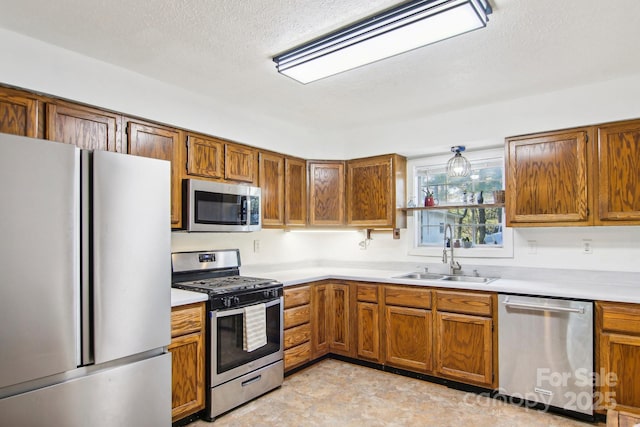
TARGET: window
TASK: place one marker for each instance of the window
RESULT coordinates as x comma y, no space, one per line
465,203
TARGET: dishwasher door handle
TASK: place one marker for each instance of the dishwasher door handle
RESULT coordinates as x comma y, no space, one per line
537,307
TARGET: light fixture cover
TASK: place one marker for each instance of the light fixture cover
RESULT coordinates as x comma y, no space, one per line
458,165
407,26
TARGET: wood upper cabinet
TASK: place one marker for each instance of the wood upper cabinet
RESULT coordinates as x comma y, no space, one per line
408,328
19,112
205,156
295,192
164,143
187,360
326,193
84,127
376,191
240,163
466,345
547,180
617,355
618,173
271,180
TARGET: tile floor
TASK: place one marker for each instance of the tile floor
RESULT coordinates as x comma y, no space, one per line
335,393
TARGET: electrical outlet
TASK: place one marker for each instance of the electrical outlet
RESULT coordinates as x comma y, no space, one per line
532,246
256,246
587,246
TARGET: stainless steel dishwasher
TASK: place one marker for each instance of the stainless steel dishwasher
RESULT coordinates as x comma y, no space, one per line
546,352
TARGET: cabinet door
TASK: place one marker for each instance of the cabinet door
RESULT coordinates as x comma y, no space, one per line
84,127
326,193
619,173
159,142
18,113
370,193
464,347
272,185
240,163
187,375
339,334
319,320
295,192
547,179
619,370
368,331
204,156
408,333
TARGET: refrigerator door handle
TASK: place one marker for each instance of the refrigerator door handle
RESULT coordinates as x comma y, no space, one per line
86,251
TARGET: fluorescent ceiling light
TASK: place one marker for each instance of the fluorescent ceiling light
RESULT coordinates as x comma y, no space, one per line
408,26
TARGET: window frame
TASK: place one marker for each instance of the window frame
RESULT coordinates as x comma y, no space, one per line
506,251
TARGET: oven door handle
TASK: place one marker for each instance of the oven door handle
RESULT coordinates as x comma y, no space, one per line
236,311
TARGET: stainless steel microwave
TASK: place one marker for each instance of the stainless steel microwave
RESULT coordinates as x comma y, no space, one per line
216,206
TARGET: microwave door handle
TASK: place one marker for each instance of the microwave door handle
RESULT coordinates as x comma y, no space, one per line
244,215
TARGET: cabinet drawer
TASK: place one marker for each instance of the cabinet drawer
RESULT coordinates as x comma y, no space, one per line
464,302
367,293
297,355
297,316
296,296
296,336
407,296
619,317
187,319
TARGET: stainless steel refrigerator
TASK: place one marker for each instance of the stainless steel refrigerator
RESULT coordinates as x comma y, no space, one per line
85,287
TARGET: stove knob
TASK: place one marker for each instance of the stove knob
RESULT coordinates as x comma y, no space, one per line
274,293
236,300
226,301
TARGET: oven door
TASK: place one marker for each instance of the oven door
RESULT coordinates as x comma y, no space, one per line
228,359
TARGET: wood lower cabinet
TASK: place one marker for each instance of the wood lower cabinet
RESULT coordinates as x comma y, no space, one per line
205,156
547,180
164,143
618,355
618,173
466,345
19,113
295,192
368,322
271,171
320,306
339,319
326,193
84,127
187,360
376,191
297,326
408,328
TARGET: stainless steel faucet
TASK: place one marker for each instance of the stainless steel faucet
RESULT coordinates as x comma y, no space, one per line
454,266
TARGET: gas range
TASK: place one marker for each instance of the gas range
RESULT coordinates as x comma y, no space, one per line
217,274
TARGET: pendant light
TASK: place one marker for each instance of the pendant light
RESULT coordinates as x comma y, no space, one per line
458,165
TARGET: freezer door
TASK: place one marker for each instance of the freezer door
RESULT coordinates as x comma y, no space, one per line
39,301
137,394
131,255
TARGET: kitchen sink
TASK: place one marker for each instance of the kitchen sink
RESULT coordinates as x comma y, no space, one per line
444,277
421,276
471,279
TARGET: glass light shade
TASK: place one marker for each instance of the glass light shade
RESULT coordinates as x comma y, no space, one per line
458,165
406,27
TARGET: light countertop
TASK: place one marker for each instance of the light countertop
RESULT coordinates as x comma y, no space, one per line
182,297
606,287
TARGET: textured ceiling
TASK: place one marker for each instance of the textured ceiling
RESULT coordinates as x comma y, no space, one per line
223,49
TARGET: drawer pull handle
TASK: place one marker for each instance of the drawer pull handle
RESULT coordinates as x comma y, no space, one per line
251,381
